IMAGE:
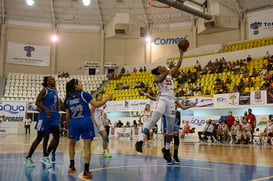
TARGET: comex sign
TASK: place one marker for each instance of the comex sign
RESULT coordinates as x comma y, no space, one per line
167,41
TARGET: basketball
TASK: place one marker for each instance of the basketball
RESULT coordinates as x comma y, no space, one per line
183,44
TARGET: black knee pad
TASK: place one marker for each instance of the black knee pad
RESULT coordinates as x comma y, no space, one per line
176,139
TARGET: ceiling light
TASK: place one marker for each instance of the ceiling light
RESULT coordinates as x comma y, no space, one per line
30,2
54,38
86,2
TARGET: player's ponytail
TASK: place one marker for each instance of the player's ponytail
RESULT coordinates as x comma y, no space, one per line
45,81
70,88
155,71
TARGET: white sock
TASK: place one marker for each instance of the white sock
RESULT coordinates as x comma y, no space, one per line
167,146
141,137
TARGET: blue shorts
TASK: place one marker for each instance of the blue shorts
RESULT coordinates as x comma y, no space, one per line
81,127
42,125
164,125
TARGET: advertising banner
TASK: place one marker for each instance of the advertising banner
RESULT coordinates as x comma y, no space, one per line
244,98
201,101
198,122
222,100
28,54
257,97
260,24
120,133
13,111
269,96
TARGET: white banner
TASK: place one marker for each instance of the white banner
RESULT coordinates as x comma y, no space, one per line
120,133
13,111
260,24
198,122
201,101
222,100
28,54
257,97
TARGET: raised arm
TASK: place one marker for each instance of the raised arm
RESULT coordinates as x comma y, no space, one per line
183,107
100,103
175,69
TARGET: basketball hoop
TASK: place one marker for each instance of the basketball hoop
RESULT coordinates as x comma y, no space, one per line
151,2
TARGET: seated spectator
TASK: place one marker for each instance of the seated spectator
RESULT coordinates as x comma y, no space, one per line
144,69
125,86
180,93
222,131
248,58
224,60
119,124
268,133
267,55
265,85
208,131
266,76
241,85
186,129
207,92
134,70
246,132
128,125
140,69
197,66
127,73
235,131
249,82
134,124
122,71
254,73
245,72
119,86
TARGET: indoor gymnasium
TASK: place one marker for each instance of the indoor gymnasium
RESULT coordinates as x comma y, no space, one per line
132,90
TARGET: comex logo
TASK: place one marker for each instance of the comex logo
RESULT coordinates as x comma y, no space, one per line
29,49
198,122
255,26
11,108
168,41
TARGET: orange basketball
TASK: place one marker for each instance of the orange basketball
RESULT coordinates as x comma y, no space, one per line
183,44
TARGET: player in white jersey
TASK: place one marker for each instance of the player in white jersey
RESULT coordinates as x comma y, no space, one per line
146,116
165,104
268,133
246,131
97,119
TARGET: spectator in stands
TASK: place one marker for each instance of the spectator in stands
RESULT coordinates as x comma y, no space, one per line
254,73
186,129
208,131
251,119
245,71
207,92
144,69
197,66
180,93
267,55
229,66
265,85
249,82
193,77
248,58
241,85
237,67
122,71
134,70
140,69
139,84
230,120
127,73
268,133
224,60
266,76
119,86
119,124
125,86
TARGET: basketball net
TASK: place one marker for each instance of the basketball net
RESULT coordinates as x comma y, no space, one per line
161,16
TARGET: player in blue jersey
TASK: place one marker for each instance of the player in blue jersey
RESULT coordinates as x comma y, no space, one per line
48,120
80,122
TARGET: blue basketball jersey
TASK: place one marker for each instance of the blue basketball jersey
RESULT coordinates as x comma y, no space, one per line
78,104
164,124
50,100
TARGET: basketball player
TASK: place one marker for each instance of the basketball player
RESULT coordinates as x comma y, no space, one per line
80,122
98,117
268,133
48,120
146,115
164,104
246,131
235,130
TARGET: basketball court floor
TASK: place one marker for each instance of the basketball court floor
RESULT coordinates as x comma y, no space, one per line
199,161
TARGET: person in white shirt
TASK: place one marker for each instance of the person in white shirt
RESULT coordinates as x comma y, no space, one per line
27,124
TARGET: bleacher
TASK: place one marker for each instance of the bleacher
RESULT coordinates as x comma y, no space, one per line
26,87
236,46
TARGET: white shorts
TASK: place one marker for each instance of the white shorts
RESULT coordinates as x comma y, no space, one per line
166,106
99,126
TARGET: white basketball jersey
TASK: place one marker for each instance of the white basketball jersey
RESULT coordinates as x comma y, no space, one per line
146,116
99,113
166,88
270,128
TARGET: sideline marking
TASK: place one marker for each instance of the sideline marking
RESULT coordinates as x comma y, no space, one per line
264,178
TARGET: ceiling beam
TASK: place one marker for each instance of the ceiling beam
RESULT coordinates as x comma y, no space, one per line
238,8
144,14
100,15
53,15
3,11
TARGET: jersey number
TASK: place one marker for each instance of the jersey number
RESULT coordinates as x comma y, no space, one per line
168,82
76,111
